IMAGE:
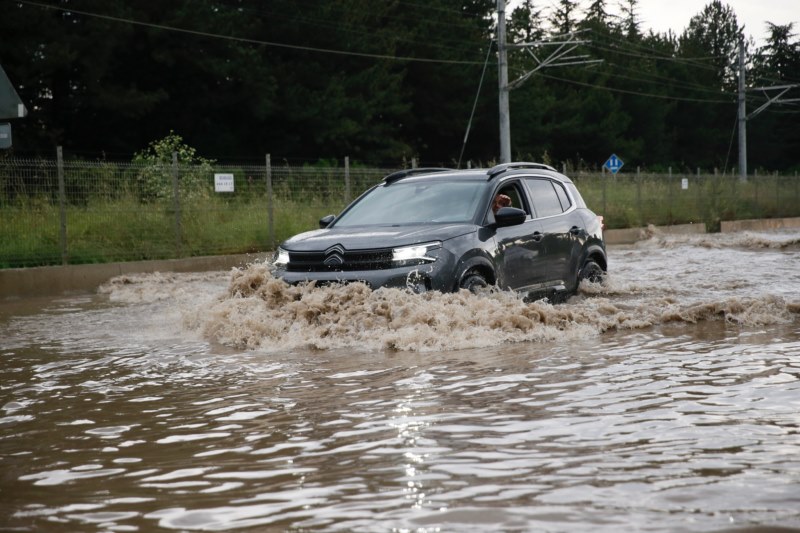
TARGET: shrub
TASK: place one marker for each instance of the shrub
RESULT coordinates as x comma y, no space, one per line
155,178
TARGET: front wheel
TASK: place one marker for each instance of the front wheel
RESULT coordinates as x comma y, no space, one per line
591,271
473,281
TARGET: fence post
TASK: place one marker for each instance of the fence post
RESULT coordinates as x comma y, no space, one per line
671,189
755,179
270,203
639,196
699,198
62,205
346,179
413,162
605,186
176,204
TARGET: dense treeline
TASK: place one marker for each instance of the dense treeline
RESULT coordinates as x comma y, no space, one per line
390,80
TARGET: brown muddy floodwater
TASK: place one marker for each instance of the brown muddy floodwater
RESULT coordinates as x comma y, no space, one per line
666,400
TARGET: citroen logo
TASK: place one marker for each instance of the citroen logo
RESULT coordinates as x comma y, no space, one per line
334,256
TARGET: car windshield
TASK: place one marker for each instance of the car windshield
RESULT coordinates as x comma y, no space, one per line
416,202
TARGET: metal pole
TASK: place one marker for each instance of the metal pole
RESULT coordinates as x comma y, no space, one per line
742,115
639,196
671,189
605,186
502,68
176,203
62,205
346,179
270,206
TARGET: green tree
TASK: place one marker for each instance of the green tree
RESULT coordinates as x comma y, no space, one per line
441,94
597,12
708,50
773,135
630,19
713,36
63,60
565,14
525,23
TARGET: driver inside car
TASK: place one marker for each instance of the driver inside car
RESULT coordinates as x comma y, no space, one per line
501,200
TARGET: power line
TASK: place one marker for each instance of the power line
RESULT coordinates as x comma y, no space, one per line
637,93
247,40
664,54
678,85
656,79
683,61
475,104
436,40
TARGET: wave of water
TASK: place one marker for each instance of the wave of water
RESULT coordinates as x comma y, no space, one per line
745,279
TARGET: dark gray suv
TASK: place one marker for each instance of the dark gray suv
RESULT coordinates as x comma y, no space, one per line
519,226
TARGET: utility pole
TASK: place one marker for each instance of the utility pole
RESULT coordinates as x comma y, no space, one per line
564,44
502,67
742,115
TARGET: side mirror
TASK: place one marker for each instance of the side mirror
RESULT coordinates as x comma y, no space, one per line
509,216
325,221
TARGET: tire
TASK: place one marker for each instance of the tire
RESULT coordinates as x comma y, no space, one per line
591,271
473,281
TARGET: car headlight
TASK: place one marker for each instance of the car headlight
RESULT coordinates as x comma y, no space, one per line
417,254
281,257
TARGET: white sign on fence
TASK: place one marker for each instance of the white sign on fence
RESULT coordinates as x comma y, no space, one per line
223,182
685,183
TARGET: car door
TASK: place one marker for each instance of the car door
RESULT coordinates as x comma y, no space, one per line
561,245
520,250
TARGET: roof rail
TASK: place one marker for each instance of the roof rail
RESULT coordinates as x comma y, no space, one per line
503,167
400,174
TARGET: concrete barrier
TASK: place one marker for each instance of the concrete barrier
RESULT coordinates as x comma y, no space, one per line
632,235
763,224
52,280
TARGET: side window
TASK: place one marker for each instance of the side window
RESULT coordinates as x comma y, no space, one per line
575,194
562,196
512,190
544,197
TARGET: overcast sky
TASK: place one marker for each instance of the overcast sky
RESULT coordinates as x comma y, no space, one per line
663,15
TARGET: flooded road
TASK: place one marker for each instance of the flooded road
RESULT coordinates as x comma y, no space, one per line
666,400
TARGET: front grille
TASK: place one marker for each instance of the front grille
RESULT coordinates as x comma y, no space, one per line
340,260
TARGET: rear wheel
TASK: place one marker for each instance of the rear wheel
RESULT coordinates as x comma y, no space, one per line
474,281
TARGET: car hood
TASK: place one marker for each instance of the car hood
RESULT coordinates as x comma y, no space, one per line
371,237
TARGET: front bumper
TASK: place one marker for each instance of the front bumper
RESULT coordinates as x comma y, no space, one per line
438,275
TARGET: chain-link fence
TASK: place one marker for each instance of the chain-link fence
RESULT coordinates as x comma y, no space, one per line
69,212
638,199
91,212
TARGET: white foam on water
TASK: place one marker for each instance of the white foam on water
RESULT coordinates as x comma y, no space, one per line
744,279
